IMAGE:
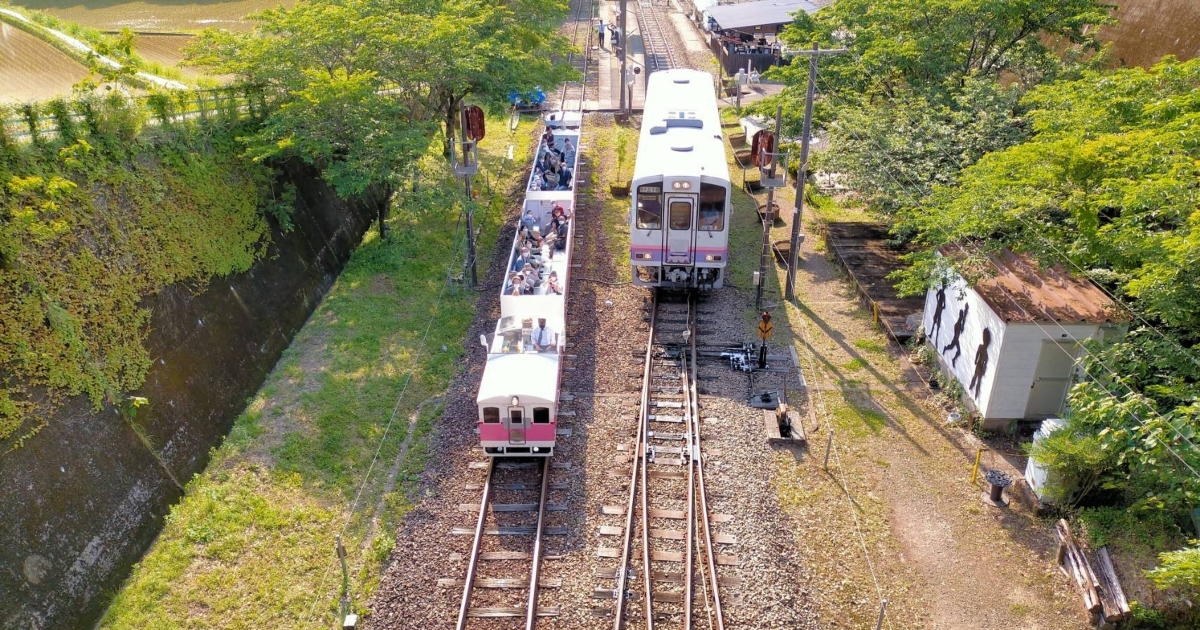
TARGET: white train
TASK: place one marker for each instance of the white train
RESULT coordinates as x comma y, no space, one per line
679,223
519,392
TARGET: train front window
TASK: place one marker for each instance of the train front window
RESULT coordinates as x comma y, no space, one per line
712,208
649,207
491,415
681,215
541,415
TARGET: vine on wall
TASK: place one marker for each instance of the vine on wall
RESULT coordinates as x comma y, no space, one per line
93,220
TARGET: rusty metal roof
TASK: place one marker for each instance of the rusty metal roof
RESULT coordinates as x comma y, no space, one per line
1020,290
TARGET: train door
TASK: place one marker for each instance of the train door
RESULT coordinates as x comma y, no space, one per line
516,425
680,235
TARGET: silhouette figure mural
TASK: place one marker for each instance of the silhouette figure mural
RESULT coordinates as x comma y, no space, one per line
981,361
959,325
938,309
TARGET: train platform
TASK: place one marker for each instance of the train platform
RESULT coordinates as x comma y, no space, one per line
608,96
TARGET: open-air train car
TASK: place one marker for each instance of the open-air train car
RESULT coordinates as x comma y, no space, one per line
679,220
519,393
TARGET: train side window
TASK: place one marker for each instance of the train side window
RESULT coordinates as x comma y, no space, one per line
491,415
649,214
712,208
541,415
681,215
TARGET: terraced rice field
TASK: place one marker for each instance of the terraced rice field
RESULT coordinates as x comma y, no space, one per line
166,50
157,16
31,69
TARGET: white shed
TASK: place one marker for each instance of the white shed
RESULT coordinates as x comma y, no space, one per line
1012,339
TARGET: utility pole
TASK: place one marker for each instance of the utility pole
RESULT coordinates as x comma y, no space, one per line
769,217
468,168
623,41
802,172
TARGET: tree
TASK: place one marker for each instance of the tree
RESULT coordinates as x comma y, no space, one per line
1178,569
927,87
317,63
474,48
933,46
1106,184
919,144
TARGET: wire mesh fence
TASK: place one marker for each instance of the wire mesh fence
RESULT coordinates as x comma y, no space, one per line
125,114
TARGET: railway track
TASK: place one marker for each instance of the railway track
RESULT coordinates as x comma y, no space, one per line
678,559
504,579
653,23
573,94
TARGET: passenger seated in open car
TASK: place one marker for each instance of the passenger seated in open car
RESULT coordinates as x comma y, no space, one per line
544,339
524,258
552,285
516,284
532,279
528,220
560,242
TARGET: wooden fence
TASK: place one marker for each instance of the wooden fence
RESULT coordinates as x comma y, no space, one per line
732,62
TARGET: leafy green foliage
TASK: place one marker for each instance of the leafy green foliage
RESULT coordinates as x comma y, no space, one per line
317,64
1111,191
918,93
1178,569
357,88
932,46
918,143
1131,428
88,229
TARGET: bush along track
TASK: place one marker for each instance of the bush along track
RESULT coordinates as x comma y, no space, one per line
334,441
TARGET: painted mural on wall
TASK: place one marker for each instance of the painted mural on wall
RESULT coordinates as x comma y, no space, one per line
957,324
981,362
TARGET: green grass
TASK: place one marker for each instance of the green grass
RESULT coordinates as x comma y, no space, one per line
251,544
856,416
854,365
871,345
614,212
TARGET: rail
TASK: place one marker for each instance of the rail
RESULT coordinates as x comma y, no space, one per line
710,554
580,17
638,455
465,611
659,53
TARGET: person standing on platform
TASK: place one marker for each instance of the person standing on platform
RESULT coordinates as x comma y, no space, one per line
601,33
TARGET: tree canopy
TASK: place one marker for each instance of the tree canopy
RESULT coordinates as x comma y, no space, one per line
359,87
927,87
933,46
1106,183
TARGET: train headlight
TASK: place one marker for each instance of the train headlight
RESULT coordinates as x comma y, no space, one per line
712,258
643,256
681,185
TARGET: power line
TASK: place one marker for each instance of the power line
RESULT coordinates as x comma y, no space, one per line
383,438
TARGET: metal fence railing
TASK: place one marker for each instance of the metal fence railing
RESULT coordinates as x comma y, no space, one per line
120,111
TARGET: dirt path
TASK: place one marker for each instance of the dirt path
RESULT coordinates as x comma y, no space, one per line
898,517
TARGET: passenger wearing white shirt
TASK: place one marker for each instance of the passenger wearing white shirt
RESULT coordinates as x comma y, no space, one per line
544,339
